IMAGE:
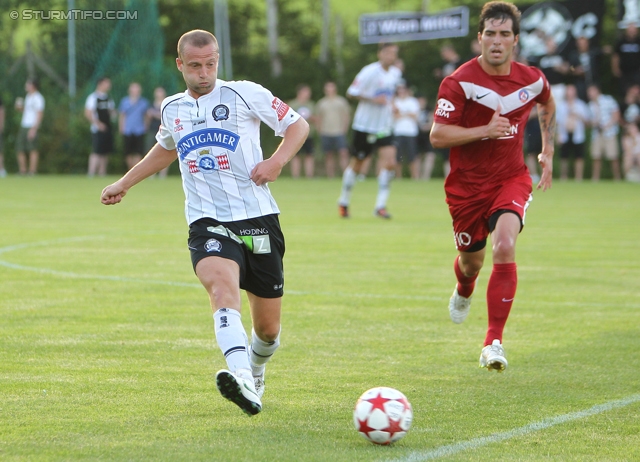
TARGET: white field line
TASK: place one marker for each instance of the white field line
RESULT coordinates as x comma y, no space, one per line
528,429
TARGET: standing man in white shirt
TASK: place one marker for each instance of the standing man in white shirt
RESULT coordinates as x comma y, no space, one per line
605,126
374,88
213,128
406,109
32,108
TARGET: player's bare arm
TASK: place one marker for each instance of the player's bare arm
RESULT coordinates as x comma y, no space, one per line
446,136
156,159
268,170
547,119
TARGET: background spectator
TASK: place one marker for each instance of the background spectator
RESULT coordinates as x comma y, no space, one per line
133,124
153,117
303,105
333,117
406,109
32,108
625,62
572,115
605,120
584,66
100,109
631,152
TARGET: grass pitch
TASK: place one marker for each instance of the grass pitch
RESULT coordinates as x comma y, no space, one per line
107,348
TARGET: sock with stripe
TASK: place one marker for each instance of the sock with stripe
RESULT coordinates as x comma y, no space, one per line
348,180
501,291
384,187
232,338
261,352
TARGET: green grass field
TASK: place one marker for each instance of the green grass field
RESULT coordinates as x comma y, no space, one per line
107,347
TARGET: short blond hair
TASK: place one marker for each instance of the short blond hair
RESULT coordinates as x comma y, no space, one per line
198,38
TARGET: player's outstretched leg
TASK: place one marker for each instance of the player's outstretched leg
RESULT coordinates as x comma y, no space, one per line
239,388
493,357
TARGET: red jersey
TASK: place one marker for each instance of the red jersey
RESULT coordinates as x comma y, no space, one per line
468,98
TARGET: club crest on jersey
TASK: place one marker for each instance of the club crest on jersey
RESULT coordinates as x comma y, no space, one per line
213,245
523,95
208,163
207,138
220,112
444,108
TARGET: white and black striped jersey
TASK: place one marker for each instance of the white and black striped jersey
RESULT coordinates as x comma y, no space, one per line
373,80
217,140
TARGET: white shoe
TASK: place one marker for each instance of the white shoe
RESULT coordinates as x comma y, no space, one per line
493,357
259,384
239,390
459,307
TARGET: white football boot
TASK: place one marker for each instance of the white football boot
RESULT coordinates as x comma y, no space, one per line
239,388
459,307
258,381
493,357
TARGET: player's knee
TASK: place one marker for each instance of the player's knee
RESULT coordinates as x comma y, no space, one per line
268,333
504,249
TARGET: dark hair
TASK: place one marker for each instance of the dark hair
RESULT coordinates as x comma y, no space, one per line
501,11
198,38
34,82
383,45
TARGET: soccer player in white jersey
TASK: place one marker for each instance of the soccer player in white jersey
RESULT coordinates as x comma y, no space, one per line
374,88
213,128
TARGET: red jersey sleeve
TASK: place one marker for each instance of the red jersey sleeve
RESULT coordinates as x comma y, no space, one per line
451,102
544,95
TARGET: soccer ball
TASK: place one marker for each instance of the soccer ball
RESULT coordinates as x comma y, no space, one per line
382,415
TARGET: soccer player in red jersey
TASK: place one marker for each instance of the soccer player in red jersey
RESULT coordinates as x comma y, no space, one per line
481,114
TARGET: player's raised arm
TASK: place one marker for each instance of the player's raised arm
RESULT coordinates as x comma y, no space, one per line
547,118
156,159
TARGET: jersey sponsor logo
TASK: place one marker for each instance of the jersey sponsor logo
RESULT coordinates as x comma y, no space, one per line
198,121
253,231
523,95
176,122
207,137
220,112
482,96
213,245
444,108
280,107
178,128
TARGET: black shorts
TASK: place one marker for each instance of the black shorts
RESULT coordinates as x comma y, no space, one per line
308,147
570,147
102,142
256,245
133,144
363,143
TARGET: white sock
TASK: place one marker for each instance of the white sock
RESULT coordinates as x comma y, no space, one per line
384,181
232,338
261,352
348,180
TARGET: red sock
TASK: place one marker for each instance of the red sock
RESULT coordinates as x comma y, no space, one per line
465,284
501,291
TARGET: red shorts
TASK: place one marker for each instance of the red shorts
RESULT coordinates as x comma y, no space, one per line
471,216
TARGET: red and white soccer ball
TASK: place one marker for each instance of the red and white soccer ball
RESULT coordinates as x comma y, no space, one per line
383,415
